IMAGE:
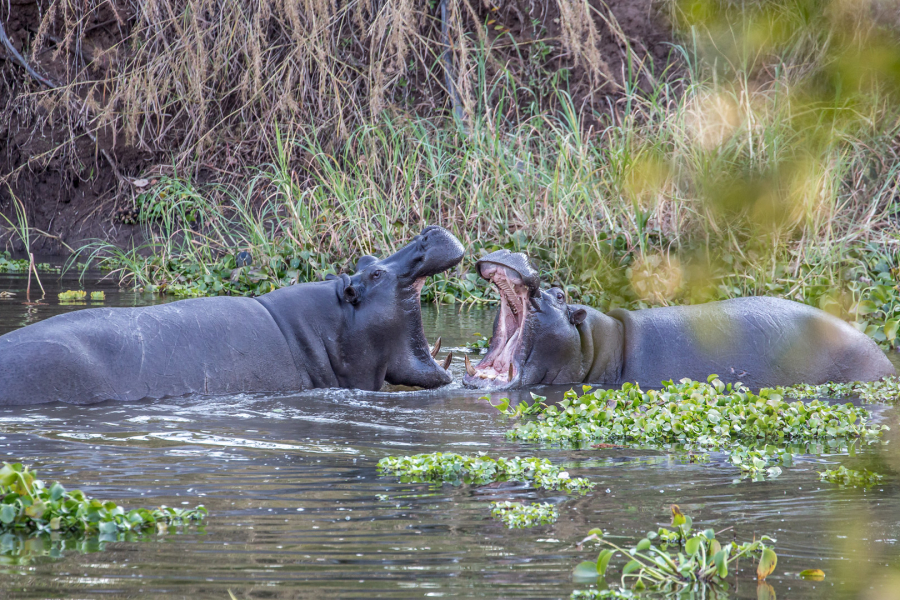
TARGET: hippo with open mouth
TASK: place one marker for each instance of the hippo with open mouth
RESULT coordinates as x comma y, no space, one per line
349,331
540,339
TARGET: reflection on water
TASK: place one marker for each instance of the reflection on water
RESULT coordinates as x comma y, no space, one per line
294,504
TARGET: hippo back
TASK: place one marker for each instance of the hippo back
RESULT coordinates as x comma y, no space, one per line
209,345
759,341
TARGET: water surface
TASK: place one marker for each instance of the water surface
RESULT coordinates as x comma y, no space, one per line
297,509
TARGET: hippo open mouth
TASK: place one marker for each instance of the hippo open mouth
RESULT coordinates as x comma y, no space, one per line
516,281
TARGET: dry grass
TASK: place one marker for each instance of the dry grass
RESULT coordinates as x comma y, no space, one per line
204,83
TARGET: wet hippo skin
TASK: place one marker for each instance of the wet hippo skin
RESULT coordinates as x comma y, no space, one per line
759,341
350,331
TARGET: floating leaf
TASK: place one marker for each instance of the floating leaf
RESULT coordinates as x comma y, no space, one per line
720,559
813,574
767,563
677,516
586,570
8,475
631,567
36,510
8,514
692,546
603,561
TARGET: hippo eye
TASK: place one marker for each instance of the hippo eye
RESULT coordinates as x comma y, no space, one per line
376,274
559,296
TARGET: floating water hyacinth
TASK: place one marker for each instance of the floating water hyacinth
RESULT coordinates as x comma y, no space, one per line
712,415
885,390
851,478
762,464
72,295
699,560
517,515
480,470
31,506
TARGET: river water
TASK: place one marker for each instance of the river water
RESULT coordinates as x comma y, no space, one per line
298,510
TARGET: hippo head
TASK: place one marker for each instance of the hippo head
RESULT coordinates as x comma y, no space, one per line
528,317
382,307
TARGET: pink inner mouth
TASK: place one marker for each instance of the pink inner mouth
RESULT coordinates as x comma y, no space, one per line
498,364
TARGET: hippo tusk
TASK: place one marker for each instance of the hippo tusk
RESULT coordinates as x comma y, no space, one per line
510,372
469,368
436,349
447,360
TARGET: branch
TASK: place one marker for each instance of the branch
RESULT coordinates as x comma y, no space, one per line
21,59
4,39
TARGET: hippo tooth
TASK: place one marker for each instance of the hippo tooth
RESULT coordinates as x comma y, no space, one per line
447,360
469,368
436,349
490,375
510,372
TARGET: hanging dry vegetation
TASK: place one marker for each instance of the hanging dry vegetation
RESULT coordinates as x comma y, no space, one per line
202,85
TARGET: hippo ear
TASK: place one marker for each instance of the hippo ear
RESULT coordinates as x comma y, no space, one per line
351,296
577,317
349,293
364,262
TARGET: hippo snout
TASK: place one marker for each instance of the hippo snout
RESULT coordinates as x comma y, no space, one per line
441,250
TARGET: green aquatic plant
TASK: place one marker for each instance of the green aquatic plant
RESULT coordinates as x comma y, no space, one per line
481,342
699,559
517,515
607,594
21,265
760,464
481,470
98,295
29,506
885,390
72,295
682,525
709,415
851,478
521,409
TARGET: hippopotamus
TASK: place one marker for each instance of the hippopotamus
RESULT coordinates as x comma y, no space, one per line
761,342
354,331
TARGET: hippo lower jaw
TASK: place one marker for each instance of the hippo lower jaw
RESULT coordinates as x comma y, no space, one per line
501,366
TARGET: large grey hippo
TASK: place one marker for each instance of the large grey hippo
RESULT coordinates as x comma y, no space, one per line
540,339
350,331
